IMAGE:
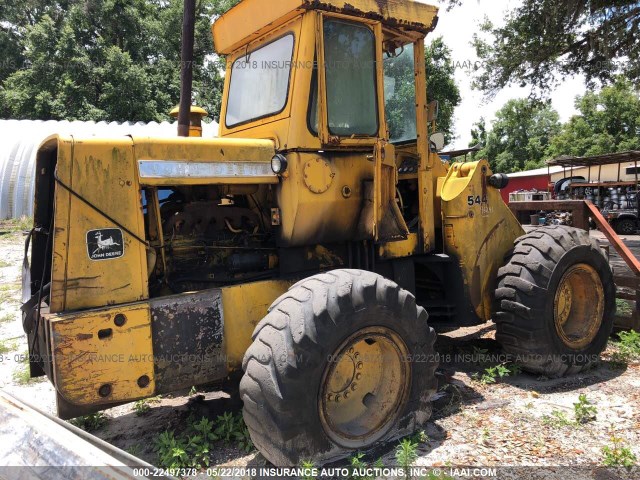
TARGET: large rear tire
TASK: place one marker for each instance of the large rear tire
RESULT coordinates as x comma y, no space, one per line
555,301
343,361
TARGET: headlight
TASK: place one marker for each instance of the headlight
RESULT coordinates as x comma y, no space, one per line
278,164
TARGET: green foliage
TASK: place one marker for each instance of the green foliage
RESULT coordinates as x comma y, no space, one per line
628,347
192,447
608,122
142,407
618,455
407,453
520,136
7,317
584,410
172,451
357,463
557,419
623,307
7,346
543,40
308,466
91,422
441,85
109,60
492,374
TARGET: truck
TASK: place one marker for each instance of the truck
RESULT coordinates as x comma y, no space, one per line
307,254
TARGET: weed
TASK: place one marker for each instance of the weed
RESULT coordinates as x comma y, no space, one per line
557,419
134,449
358,465
406,454
193,391
618,455
7,346
584,410
623,308
231,428
4,263
7,317
172,451
309,470
480,355
491,374
142,407
21,224
192,448
91,422
628,347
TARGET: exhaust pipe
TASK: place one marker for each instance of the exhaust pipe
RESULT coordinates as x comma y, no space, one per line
186,67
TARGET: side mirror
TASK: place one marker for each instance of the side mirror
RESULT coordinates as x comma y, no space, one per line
436,141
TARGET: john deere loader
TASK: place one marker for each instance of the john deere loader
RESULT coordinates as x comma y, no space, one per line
312,248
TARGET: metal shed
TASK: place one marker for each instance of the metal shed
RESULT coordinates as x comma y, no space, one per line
19,141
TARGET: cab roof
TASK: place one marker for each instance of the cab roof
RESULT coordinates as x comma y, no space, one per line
249,19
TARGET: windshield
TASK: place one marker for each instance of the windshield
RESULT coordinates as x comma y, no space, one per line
400,95
260,82
349,54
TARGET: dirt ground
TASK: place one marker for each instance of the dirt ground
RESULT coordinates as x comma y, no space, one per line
521,420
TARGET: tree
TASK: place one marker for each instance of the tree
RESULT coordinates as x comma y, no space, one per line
608,122
103,59
546,39
441,85
520,136
400,89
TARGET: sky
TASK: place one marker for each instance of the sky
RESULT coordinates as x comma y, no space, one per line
456,28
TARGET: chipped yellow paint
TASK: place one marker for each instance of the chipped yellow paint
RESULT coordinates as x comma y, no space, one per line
242,25
83,362
479,229
103,172
399,249
243,306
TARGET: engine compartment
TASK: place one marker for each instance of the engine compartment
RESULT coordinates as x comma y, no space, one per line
208,236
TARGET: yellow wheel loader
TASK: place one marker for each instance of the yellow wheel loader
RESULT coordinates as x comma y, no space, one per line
312,248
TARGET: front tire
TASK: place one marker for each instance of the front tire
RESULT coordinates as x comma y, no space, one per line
555,301
342,361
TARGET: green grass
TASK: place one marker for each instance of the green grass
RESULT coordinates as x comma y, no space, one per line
7,346
17,224
557,419
22,375
4,263
7,317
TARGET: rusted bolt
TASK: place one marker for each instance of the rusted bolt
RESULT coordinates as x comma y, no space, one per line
143,381
346,395
105,390
358,376
359,366
353,386
329,397
120,320
337,398
351,350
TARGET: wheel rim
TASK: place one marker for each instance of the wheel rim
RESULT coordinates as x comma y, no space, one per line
626,227
579,306
364,387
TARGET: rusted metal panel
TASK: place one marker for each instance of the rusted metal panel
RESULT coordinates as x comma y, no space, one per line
241,24
187,332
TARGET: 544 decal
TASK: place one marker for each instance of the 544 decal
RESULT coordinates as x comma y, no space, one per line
471,200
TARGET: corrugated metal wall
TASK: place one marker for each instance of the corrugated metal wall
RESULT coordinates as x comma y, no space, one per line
19,141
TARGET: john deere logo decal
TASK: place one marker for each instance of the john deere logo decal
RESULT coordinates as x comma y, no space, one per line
105,244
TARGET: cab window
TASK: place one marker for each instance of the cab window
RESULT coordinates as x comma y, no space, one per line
260,82
400,94
349,54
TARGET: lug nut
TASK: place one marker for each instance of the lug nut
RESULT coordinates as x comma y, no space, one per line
359,366
358,376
